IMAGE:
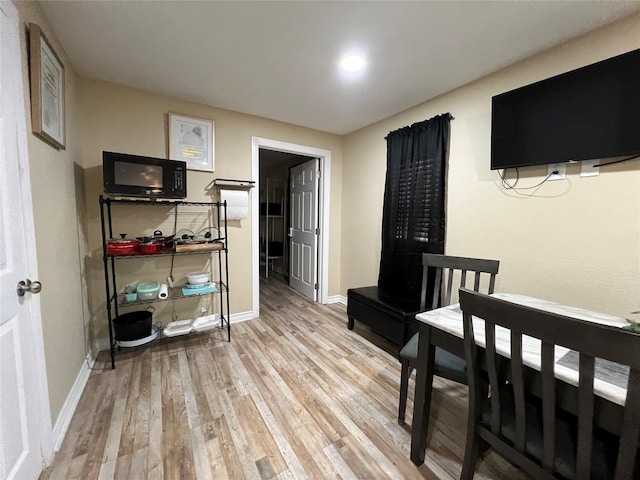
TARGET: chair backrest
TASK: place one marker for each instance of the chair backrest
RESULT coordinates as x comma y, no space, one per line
590,340
446,268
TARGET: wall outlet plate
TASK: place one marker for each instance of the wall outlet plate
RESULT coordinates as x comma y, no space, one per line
587,168
561,168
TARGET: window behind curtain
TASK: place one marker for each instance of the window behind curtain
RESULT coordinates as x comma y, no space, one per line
413,220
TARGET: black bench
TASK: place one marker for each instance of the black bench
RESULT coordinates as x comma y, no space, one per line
388,316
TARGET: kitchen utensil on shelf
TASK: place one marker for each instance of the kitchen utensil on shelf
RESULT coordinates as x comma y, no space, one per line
196,285
205,323
199,285
122,245
133,325
165,243
209,234
184,235
198,278
148,290
199,290
177,327
158,243
130,294
155,331
148,248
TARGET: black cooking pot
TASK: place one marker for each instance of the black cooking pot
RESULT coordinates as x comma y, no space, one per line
133,325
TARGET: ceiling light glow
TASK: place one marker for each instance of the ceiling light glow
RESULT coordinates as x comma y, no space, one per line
353,63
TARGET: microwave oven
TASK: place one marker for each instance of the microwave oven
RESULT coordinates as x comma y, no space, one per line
138,176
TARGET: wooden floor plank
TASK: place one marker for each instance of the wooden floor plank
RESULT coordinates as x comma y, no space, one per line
295,395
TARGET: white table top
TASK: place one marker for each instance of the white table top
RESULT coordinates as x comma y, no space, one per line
449,319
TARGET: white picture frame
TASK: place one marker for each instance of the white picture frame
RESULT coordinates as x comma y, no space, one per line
47,90
192,140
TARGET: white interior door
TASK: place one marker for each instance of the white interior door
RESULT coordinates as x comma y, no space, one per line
303,266
21,373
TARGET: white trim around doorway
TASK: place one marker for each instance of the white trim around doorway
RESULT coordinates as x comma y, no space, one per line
325,185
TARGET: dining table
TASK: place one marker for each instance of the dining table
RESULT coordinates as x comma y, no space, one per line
443,328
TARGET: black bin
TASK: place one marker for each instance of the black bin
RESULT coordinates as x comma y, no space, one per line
133,325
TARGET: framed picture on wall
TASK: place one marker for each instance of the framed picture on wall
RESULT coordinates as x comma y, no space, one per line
191,140
47,89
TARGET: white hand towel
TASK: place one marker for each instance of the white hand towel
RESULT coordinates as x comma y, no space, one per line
237,203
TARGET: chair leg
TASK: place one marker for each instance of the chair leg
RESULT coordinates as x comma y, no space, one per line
471,450
350,323
405,373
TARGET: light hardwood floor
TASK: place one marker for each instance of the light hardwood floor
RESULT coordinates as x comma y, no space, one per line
294,395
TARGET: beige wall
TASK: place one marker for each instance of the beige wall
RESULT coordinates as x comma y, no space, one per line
126,120
57,206
575,241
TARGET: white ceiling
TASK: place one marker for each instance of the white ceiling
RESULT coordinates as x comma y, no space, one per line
279,59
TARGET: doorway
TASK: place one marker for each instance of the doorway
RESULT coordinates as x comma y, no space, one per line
275,208
270,233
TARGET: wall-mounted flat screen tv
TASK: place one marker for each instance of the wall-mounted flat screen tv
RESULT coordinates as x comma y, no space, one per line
589,113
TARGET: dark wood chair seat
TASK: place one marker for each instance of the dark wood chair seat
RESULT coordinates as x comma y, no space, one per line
448,365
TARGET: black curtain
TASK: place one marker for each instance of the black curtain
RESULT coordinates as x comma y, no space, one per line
413,218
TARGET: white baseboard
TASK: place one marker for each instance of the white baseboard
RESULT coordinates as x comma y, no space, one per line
70,404
337,299
241,317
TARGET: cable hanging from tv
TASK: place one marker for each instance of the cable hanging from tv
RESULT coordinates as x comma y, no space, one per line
513,186
620,160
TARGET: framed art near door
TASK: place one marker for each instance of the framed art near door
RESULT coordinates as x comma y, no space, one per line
47,89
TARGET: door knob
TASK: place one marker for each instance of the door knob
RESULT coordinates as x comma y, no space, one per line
27,285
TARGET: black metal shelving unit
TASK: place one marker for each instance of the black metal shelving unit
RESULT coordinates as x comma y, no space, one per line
114,300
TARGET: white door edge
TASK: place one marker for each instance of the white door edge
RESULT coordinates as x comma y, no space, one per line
35,317
324,201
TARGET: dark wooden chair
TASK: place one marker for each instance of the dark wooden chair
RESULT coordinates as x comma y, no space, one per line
536,432
446,364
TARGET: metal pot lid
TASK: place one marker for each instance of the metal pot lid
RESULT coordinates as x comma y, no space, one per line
185,234
123,240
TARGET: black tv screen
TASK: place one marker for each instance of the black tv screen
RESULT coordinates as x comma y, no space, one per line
589,113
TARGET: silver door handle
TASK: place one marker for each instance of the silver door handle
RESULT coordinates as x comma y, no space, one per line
27,285
291,231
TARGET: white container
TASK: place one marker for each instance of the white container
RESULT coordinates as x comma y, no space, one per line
178,327
207,322
198,278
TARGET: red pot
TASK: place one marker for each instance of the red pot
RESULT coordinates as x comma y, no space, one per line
122,246
148,248
165,244
156,244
